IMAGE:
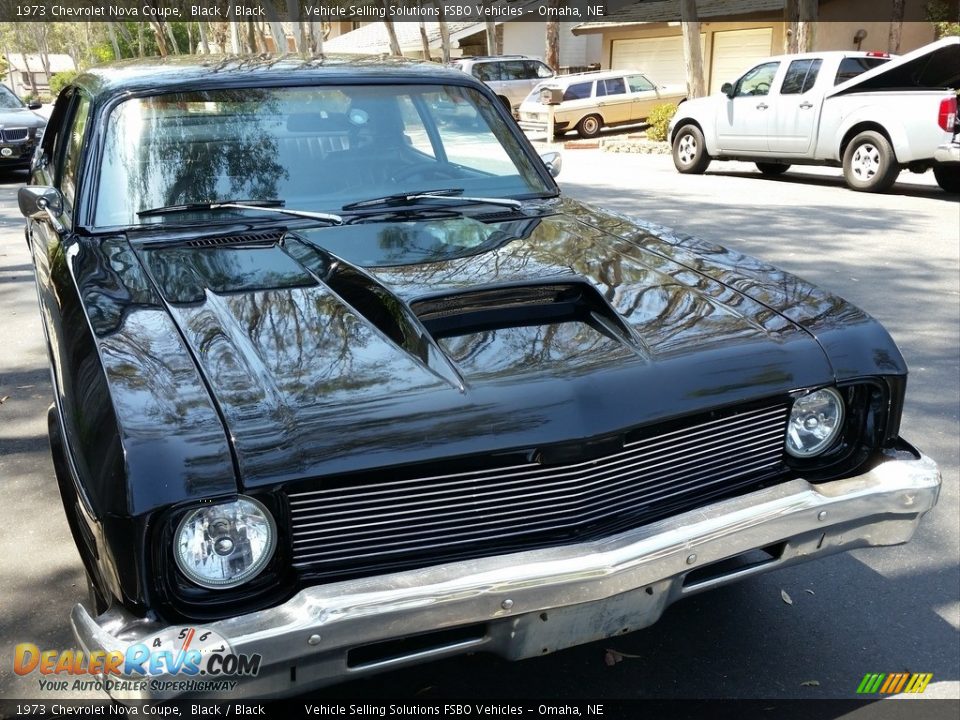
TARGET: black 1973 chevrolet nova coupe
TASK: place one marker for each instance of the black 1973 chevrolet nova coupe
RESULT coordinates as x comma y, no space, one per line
342,382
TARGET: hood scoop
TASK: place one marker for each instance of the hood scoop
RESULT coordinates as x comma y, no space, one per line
527,329
541,304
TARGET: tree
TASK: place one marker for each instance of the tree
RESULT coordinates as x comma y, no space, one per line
692,55
444,38
791,16
552,54
424,40
807,24
896,26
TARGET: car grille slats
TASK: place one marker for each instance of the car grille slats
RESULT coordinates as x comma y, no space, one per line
352,528
14,134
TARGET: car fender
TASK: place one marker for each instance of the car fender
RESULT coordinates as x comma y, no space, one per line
871,117
700,111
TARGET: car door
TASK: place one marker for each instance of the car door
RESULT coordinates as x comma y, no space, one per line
794,116
744,121
644,96
613,100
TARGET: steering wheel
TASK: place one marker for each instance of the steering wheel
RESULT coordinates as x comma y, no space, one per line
761,89
438,171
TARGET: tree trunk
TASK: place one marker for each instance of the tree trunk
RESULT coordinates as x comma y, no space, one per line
173,41
161,40
692,54
491,32
276,28
293,15
424,40
392,35
316,30
444,38
807,25
896,26
234,37
113,41
139,39
204,43
791,14
552,51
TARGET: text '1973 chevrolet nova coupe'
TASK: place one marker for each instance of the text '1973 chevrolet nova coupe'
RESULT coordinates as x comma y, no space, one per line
333,372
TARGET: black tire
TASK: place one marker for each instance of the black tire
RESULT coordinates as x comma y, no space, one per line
505,103
690,151
590,126
948,178
869,163
772,169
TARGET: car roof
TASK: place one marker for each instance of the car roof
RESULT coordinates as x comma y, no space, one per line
172,74
592,75
830,54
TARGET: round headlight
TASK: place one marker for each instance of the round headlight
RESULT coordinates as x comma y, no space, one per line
815,421
225,545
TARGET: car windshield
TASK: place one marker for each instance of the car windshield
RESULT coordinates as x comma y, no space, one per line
8,100
313,148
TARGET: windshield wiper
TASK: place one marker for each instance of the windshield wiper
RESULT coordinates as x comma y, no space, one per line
452,194
276,206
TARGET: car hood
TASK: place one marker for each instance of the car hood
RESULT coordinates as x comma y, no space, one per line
555,330
20,117
936,65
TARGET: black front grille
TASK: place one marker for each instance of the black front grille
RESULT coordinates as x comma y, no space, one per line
355,528
14,134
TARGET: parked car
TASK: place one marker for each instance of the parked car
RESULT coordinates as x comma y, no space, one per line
511,77
20,130
865,112
330,376
594,100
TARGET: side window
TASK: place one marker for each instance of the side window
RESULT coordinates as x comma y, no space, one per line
487,72
638,83
578,91
758,80
850,67
73,146
414,129
536,69
513,70
51,136
611,86
800,77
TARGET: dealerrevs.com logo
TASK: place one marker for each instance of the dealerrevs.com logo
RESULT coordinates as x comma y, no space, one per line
181,659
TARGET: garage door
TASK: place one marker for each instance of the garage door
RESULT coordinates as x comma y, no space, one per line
659,58
735,51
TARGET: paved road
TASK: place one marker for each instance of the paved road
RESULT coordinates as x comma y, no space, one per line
895,255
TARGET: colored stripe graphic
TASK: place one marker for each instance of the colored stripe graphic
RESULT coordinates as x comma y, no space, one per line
893,683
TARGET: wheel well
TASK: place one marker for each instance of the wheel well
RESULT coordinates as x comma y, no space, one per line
683,123
859,128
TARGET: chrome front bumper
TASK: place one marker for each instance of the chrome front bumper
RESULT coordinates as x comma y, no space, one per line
536,602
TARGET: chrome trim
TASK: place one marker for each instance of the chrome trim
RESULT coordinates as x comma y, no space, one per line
444,513
588,590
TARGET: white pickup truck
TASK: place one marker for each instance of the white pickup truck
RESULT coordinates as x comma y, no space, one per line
869,113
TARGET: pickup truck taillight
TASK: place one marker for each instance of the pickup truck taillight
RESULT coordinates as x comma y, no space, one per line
948,113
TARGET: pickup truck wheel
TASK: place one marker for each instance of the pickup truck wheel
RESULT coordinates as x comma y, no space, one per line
772,169
690,151
590,126
948,178
869,164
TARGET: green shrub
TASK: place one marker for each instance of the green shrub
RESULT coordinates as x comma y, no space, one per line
58,81
659,120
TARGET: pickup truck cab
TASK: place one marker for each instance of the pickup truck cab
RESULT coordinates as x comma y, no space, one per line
869,113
